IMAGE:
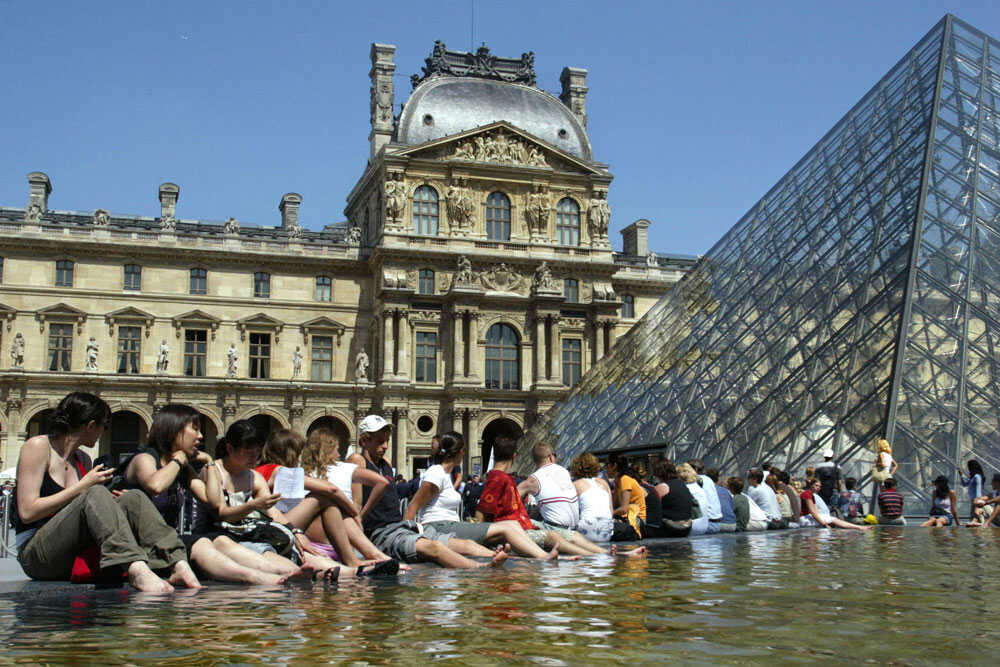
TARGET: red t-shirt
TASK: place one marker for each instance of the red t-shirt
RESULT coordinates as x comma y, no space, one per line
267,470
806,495
501,501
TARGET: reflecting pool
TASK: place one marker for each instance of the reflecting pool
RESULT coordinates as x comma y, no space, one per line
912,595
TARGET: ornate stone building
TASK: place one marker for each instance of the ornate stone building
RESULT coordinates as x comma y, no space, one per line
473,281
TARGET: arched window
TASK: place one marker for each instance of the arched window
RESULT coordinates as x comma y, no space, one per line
498,217
425,211
628,307
503,358
568,222
425,281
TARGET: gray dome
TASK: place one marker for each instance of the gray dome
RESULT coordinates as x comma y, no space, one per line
445,106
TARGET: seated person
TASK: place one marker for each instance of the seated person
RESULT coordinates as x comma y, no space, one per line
60,508
773,480
749,516
765,498
727,524
630,502
944,504
436,508
594,496
815,511
850,503
890,504
676,502
699,522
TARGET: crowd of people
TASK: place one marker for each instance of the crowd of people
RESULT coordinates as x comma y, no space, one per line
280,507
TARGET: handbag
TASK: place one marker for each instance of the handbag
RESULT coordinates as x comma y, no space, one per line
260,530
880,474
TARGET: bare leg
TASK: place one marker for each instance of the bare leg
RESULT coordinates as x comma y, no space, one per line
512,533
433,550
362,543
252,559
330,529
144,579
469,548
840,523
222,567
183,575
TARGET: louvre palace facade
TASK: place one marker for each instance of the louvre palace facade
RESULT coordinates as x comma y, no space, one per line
472,283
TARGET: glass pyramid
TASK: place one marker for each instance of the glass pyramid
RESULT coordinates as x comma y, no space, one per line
859,298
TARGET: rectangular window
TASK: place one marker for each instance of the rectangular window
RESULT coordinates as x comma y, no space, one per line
426,357
571,360
199,281
128,349
425,281
260,355
262,285
195,352
64,273
60,346
324,288
133,277
571,290
321,369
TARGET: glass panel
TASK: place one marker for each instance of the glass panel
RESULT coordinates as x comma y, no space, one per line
426,357
60,346
199,281
262,285
133,277
568,222
498,217
425,211
195,352
322,359
260,355
324,288
129,341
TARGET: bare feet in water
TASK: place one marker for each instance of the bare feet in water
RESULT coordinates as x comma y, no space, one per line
184,576
304,573
552,555
638,551
500,556
144,579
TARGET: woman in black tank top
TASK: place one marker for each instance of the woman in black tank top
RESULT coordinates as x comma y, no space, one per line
69,524
676,502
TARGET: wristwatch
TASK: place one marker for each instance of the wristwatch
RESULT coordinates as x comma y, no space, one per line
298,531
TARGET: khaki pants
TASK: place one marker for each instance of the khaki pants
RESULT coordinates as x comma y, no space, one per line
125,531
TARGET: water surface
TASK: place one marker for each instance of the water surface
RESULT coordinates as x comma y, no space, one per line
890,595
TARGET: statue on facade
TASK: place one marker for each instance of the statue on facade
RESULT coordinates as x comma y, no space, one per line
361,367
537,212
232,226
461,208
464,277
354,236
543,282
598,217
395,197
297,362
232,361
162,357
93,350
17,351
168,224
101,218
33,214
651,259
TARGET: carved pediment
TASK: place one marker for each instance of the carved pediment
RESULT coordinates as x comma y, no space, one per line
129,315
323,325
500,143
260,321
196,319
502,278
61,312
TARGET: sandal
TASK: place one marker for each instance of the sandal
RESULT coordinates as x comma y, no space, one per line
386,568
328,577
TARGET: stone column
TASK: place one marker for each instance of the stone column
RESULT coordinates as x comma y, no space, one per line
469,441
405,338
382,95
11,446
539,350
400,422
388,346
295,419
556,350
599,327
458,345
475,369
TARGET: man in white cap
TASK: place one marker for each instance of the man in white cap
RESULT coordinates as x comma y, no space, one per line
384,525
828,474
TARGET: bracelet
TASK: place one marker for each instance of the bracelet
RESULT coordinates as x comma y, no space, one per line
298,531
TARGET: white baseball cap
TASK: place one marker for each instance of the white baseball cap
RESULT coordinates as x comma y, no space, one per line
372,424
827,454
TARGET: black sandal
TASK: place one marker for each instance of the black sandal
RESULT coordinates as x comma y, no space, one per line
385,568
328,577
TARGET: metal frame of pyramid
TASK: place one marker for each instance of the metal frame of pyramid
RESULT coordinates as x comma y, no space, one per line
859,298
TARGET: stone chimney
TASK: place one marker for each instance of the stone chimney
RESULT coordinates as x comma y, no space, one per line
382,95
574,91
289,208
169,194
635,238
39,189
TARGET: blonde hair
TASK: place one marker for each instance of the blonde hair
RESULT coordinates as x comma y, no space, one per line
882,445
319,452
687,473
283,447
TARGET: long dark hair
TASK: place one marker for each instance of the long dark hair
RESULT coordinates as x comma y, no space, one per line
77,410
451,444
941,487
976,469
241,433
169,421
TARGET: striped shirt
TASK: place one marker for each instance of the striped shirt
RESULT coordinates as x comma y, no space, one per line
890,503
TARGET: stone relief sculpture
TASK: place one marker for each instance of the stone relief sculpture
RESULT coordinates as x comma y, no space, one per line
543,282
33,214
354,236
395,197
381,103
604,292
294,231
651,259
232,226
500,147
598,218
17,351
297,362
168,224
232,361
537,213
101,218
502,279
464,277
162,357
361,366
461,208
93,350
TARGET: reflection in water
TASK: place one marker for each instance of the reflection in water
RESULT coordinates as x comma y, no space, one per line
738,597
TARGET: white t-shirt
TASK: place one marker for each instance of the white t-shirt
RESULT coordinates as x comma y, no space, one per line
340,475
445,505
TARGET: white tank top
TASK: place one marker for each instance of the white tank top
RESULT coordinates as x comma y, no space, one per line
557,499
595,502
340,475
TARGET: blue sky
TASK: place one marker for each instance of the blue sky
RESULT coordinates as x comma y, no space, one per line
698,107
